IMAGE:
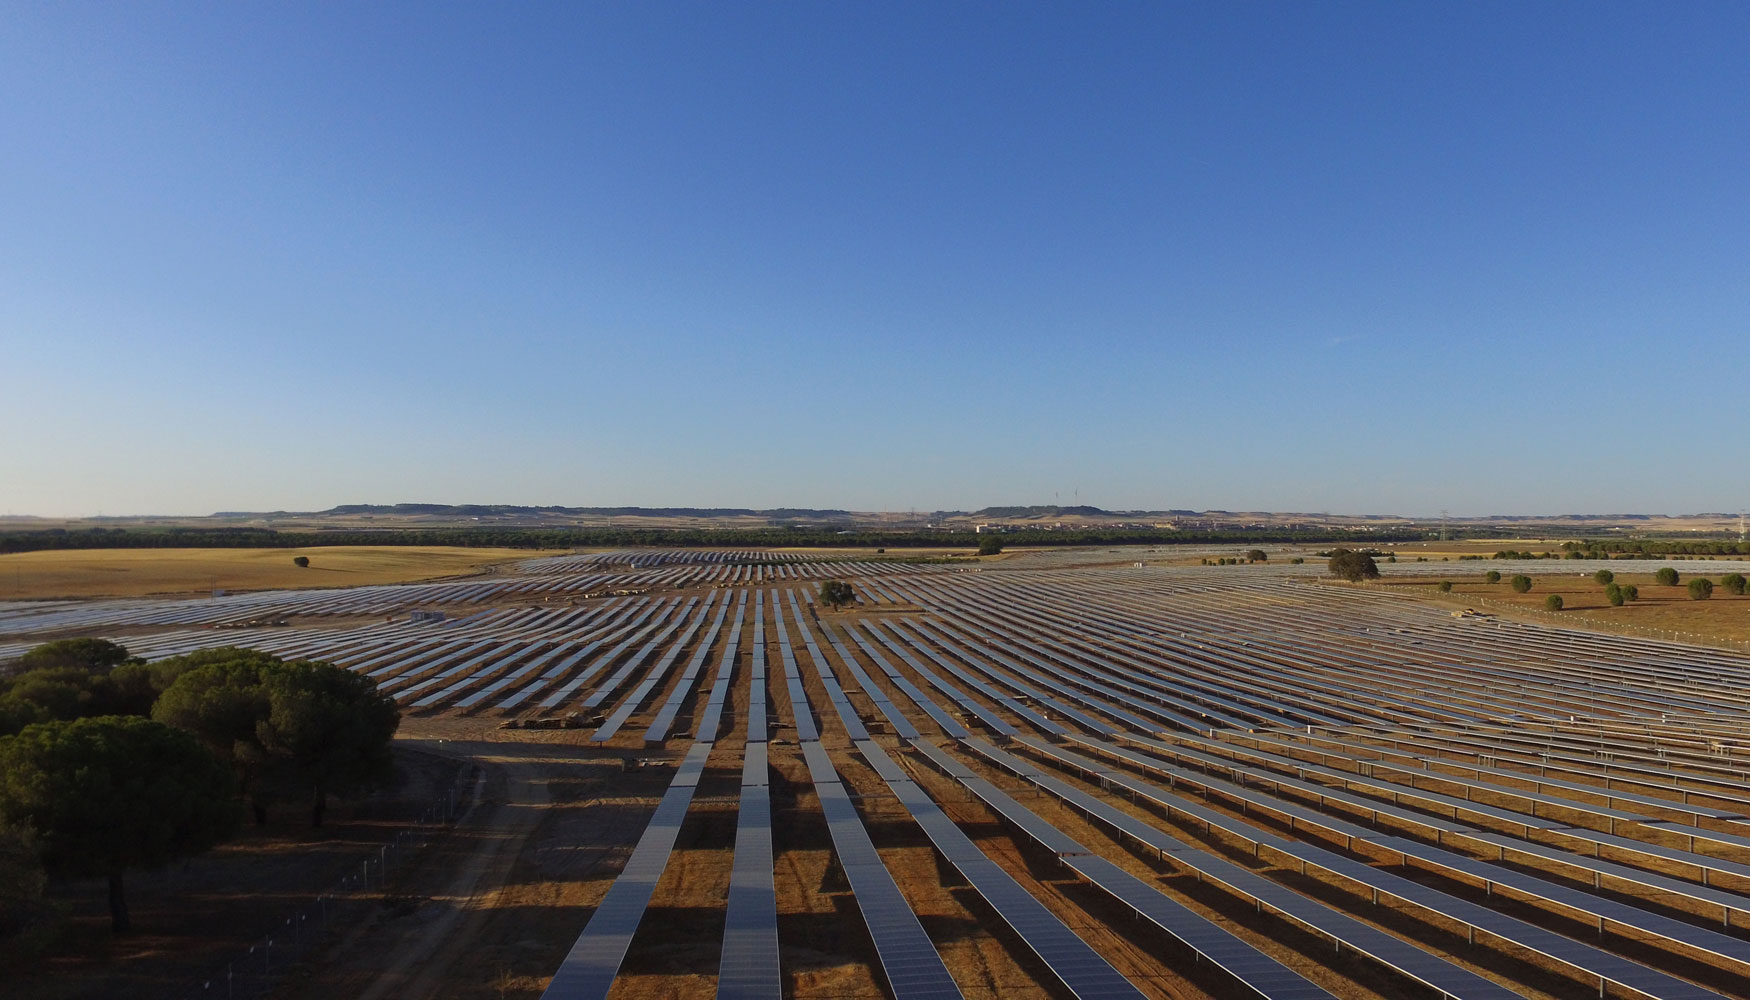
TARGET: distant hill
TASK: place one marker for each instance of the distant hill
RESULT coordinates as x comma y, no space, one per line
1038,511
510,510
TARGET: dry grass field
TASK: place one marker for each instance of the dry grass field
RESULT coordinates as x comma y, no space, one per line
139,572
1660,610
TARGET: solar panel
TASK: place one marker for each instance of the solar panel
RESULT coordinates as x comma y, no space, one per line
984,715
1044,833
753,765
1599,868
1257,971
895,718
749,966
1577,900
930,708
1585,958
1078,966
709,718
588,971
914,969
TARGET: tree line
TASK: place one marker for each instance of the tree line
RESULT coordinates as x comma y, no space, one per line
1603,548
565,538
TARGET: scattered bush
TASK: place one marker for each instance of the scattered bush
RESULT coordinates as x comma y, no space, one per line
1613,594
989,545
1604,577
1666,576
1700,588
1733,583
1553,602
1630,592
302,562
1446,586
1520,583
1257,555
1492,576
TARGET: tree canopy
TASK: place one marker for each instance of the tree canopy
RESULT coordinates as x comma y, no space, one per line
105,795
989,545
1666,576
220,701
1700,588
836,593
1520,583
84,654
76,679
1352,566
288,730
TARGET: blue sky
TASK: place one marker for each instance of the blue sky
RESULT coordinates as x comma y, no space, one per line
1490,257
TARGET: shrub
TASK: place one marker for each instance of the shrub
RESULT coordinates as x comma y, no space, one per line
1553,602
1666,576
1521,584
1446,586
1604,577
1257,555
989,545
1733,583
1630,592
1700,588
1492,576
1613,594
302,562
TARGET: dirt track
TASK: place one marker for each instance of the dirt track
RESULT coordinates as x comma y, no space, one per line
490,907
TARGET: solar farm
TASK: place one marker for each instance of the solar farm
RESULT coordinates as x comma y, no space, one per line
1039,778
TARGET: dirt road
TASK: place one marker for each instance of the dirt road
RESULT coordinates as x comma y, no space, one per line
489,909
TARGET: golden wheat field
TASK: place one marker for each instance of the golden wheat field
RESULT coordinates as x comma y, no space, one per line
138,572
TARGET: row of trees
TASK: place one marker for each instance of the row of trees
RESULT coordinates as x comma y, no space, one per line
1642,548
561,538
110,764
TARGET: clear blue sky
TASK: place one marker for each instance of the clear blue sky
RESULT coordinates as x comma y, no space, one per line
1492,257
